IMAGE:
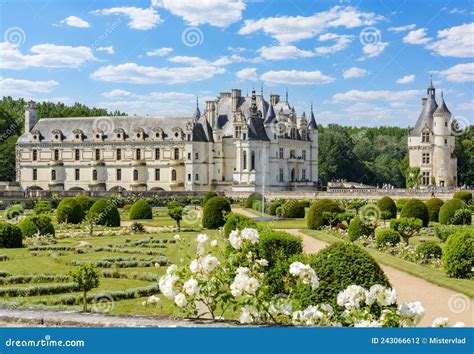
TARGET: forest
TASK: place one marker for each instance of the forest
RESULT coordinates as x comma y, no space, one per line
358,154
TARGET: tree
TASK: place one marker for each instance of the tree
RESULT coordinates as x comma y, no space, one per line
87,278
406,227
413,177
175,212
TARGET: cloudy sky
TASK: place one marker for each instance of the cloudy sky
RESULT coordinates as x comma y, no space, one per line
359,62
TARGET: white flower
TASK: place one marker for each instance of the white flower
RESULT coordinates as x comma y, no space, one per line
167,284
382,295
157,265
295,268
412,311
191,287
441,322
250,235
235,240
195,266
305,273
214,243
252,286
208,263
249,314
239,284
202,238
153,299
367,323
180,300
262,262
351,297
171,269
177,237
243,270
459,324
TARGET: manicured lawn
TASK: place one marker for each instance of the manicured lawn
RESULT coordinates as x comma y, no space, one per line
464,286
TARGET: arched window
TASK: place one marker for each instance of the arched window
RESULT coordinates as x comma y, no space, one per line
94,175
53,175
245,160
135,175
252,161
173,175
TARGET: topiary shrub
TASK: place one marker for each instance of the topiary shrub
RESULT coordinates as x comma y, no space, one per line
257,205
401,202
465,196
358,228
273,206
36,224
127,207
415,208
338,266
387,204
104,212
250,199
140,210
10,235
462,217
447,211
85,202
42,207
214,212
238,222
458,256
292,209
434,205
208,196
406,227
69,211
386,237
428,250
316,219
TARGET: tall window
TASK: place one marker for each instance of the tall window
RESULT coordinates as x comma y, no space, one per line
303,174
303,154
426,178
173,175
97,154
157,174
119,154
53,175
281,151
157,154
196,155
189,177
77,174
426,158
35,155
238,131
94,175
77,154
56,155
196,177
138,154
252,160
118,174
281,175
135,175
176,153
425,137
35,174
245,160
292,154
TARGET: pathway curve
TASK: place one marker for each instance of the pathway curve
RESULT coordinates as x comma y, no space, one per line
437,301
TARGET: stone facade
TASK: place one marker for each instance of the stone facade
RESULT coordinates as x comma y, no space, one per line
238,144
431,143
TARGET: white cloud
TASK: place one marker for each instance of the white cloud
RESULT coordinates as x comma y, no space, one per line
117,93
108,50
283,52
25,88
456,41
341,42
140,19
401,28
219,13
159,52
393,97
406,79
372,50
247,74
458,73
456,11
354,72
44,55
287,29
295,77
75,21
417,37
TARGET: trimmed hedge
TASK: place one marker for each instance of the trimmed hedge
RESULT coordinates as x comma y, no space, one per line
140,210
316,220
104,212
401,202
429,250
415,208
465,196
386,237
387,204
36,224
213,215
257,205
358,228
42,206
85,202
251,198
69,211
458,257
462,217
273,206
208,196
293,209
434,205
10,235
447,211
238,222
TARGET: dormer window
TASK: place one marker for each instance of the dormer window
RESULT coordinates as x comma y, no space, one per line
119,134
178,133
78,134
139,133
57,135
98,134
158,133
425,137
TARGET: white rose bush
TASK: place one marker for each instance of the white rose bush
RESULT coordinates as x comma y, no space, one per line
231,285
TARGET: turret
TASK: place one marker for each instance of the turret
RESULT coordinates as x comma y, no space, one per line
441,118
30,116
312,121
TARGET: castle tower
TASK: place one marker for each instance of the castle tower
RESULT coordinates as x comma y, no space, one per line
30,116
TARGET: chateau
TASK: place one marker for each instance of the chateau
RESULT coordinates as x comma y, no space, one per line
431,143
237,144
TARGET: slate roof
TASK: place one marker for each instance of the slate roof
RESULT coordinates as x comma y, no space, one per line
442,108
426,116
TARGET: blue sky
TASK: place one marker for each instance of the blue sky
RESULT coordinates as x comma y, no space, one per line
359,62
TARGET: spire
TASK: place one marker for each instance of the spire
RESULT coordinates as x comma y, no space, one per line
286,94
431,89
312,121
253,106
442,108
197,112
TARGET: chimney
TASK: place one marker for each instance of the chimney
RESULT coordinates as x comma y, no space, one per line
30,116
235,99
423,101
274,99
211,112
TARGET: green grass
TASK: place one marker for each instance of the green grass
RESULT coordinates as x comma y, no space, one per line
285,224
464,286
